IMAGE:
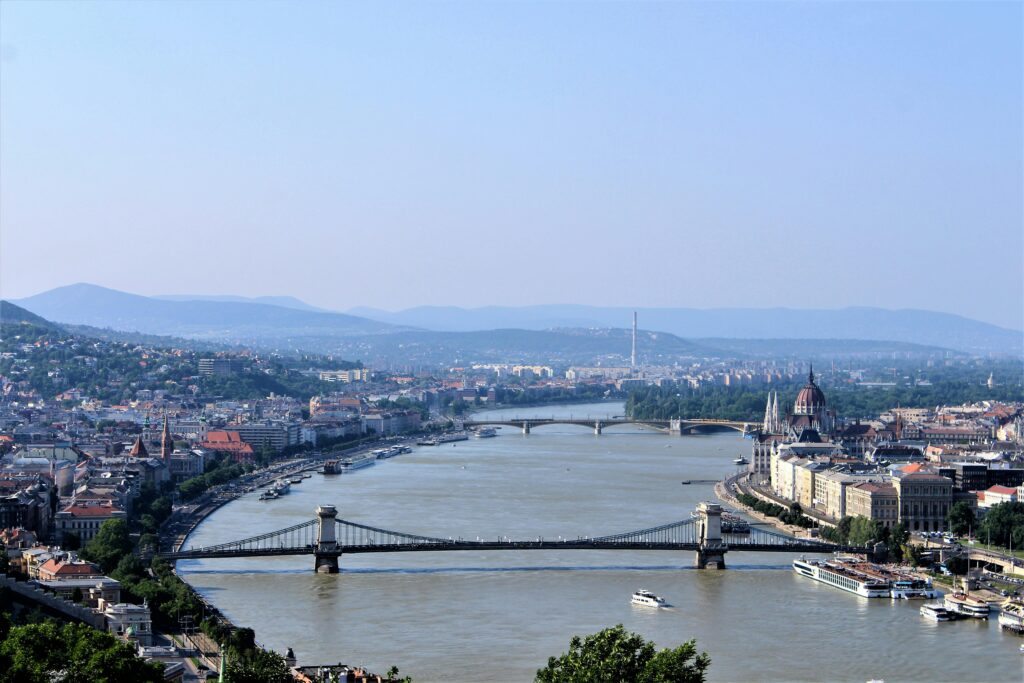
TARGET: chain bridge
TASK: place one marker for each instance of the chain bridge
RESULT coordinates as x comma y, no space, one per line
599,424
327,538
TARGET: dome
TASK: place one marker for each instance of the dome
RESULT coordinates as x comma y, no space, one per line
810,400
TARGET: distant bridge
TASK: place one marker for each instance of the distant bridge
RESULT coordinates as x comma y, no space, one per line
599,424
328,538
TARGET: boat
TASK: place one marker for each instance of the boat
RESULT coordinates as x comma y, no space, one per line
1011,616
282,488
967,606
269,495
646,598
486,433
845,575
741,461
449,438
295,480
427,442
913,588
935,611
353,464
332,467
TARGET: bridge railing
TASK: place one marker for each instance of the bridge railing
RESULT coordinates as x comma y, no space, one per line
298,535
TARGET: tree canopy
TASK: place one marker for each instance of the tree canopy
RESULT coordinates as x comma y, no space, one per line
72,653
111,543
615,654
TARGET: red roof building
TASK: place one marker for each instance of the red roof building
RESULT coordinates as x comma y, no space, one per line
230,443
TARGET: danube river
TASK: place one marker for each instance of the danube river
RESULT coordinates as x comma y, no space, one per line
498,616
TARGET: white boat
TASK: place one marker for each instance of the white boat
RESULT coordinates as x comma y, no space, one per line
845,576
935,611
1011,616
740,461
646,598
486,433
965,605
282,488
356,464
269,495
914,588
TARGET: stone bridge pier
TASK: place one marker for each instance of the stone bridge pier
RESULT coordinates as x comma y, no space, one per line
711,550
327,552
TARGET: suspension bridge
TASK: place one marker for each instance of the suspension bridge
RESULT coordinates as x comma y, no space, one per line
599,424
327,538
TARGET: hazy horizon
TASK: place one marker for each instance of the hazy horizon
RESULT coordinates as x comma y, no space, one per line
691,155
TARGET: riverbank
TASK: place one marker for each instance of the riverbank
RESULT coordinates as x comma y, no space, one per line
726,491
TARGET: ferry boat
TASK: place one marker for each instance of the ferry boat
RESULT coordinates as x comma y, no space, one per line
913,588
845,576
486,433
646,598
964,605
935,611
1011,616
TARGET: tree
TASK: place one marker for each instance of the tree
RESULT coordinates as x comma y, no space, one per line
71,541
1002,523
109,545
615,654
40,653
961,518
256,666
864,530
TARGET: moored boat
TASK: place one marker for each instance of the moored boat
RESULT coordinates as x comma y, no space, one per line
485,433
847,576
935,611
906,587
1011,616
966,605
332,467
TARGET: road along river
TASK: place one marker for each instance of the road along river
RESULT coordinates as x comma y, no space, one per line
498,616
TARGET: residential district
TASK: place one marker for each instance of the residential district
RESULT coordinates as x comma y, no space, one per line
103,462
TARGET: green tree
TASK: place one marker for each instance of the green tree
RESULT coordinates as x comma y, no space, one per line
864,530
71,541
109,545
73,653
256,666
615,655
1002,524
961,518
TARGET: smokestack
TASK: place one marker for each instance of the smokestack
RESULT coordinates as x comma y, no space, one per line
633,356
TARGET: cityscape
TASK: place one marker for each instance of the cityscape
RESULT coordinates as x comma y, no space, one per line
444,396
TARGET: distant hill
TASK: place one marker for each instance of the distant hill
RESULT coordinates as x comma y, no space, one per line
254,324
908,325
283,301
10,314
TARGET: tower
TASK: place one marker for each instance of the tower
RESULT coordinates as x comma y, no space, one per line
632,362
166,442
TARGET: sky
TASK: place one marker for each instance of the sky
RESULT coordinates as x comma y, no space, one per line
807,155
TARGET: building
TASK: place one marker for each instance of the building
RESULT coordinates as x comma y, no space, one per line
876,501
230,444
84,519
994,495
345,376
274,435
220,366
65,568
924,499
128,622
810,410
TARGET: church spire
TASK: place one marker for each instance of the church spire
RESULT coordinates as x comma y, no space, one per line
166,442
810,375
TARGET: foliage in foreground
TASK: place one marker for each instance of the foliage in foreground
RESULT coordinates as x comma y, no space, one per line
72,653
615,655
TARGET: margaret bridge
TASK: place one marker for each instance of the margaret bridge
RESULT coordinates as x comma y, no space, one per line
599,424
327,538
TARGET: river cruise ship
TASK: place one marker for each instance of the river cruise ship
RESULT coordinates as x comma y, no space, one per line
844,575
967,606
354,464
486,433
1011,616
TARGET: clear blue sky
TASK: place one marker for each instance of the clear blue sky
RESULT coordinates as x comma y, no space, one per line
675,154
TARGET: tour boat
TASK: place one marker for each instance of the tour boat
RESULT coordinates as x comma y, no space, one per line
963,604
913,588
1011,616
935,611
844,576
646,598
485,433
740,461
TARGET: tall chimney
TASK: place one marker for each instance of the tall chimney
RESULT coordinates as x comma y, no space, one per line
633,356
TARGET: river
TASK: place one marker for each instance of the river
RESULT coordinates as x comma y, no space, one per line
498,616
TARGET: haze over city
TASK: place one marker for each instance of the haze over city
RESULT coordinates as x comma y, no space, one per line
812,155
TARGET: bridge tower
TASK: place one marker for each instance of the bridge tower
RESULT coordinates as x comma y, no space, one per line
597,428
327,551
675,426
711,550
526,427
